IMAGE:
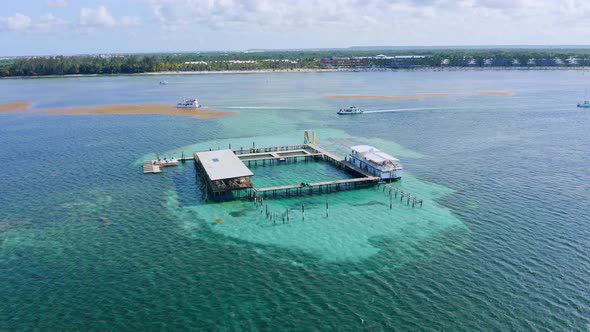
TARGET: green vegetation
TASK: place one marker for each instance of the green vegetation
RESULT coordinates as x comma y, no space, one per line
281,60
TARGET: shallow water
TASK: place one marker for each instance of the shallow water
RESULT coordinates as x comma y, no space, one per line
88,242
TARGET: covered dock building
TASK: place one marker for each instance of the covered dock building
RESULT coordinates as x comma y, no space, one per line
225,174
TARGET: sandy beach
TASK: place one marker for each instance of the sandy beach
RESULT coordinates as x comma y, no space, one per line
204,72
162,109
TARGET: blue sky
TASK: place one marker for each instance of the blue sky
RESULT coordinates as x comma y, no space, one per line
31,27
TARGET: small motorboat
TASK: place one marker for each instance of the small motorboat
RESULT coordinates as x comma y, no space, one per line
188,103
350,110
165,162
585,104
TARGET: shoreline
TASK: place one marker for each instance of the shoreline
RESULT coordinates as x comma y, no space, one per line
305,70
203,72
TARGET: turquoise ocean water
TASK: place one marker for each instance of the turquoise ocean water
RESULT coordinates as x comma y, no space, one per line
88,242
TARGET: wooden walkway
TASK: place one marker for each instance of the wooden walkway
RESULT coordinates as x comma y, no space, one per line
326,153
267,149
149,167
394,191
313,187
280,155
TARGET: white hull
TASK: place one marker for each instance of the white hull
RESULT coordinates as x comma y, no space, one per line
189,103
350,110
166,162
188,106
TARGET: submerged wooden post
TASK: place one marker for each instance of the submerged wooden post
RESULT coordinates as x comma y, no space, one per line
327,209
303,211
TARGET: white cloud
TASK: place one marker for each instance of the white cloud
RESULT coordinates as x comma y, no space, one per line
221,14
17,22
130,21
48,22
57,3
234,13
102,17
96,17
386,22
22,23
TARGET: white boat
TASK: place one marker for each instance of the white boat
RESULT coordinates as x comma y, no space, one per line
188,103
376,162
163,82
586,103
350,110
165,162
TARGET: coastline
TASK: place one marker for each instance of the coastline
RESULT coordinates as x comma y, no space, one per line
120,109
307,70
204,72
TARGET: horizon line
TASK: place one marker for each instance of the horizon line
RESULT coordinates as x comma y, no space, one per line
353,48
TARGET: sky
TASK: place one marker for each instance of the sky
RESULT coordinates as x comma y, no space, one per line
48,27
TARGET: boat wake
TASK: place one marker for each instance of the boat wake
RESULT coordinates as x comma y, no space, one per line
405,110
257,107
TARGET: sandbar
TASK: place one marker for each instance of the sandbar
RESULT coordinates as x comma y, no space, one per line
14,107
163,109
421,95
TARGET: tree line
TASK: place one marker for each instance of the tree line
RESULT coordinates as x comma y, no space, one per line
269,60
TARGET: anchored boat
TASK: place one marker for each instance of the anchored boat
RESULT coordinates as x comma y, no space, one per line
350,110
188,103
376,162
586,103
165,162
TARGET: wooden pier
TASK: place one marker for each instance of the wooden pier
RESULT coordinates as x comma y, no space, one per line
394,192
315,187
274,157
149,167
228,188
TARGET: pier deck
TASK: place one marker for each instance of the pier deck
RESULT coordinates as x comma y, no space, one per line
227,186
277,155
372,179
149,167
325,153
